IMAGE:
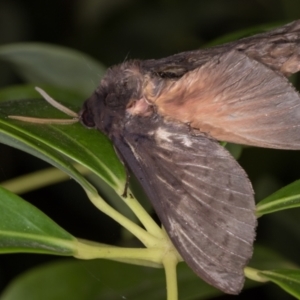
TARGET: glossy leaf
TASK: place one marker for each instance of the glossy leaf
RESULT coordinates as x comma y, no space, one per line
87,147
100,279
23,228
16,138
111,280
285,198
55,65
288,280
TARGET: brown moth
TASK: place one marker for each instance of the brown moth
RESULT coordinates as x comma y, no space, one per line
165,118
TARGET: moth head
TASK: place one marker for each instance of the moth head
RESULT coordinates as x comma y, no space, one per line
118,88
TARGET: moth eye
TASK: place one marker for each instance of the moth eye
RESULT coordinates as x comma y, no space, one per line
112,101
87,119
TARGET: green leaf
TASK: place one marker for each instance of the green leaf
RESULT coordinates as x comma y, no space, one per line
16,138
264,258
99,279
55,142
23,228
54,65
288,280
285,198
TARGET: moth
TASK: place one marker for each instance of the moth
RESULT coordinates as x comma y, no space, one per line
165,118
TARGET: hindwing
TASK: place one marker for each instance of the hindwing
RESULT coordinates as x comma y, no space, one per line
200,193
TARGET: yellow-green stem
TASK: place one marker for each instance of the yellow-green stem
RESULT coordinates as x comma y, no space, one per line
150,225
39,179
146,238
170,261
86,251
253,274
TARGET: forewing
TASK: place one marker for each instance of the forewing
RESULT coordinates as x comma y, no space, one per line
279,49
234,98
201,195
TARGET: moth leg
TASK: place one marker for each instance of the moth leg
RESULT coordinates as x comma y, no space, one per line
126,182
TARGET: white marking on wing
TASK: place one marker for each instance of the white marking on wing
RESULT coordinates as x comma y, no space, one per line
136,154
167,184
163,135
200,166
179,163
167,136
164,157
186,141
169,145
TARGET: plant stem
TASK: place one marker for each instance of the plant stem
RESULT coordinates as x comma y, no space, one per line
39,179
89,251
170,262
143,216
145,237
254,274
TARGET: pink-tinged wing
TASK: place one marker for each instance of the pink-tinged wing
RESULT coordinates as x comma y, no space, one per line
233,98
200,193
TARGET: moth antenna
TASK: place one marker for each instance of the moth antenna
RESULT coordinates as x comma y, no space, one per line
43,120
55,104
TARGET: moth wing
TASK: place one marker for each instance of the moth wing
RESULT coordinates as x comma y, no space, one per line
237,99
278,49
201,195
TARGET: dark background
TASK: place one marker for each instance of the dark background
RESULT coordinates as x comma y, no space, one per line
111,31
